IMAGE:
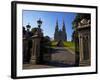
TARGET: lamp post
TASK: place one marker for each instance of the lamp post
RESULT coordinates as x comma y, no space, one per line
39,22
28,27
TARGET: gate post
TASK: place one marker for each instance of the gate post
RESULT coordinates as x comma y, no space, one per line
35,56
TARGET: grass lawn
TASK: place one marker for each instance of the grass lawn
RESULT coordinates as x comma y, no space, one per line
70,45
53,44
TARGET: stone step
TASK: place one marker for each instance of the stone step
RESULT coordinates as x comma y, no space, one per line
85,63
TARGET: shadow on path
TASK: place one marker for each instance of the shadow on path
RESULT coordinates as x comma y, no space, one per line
59,64
61,57
57,49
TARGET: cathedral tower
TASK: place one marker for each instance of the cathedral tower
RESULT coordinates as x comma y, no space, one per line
56,31
64,34
60,34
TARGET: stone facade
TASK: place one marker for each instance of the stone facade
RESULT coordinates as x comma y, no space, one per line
60,34
84,35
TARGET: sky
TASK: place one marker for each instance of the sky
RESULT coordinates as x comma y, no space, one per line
49,21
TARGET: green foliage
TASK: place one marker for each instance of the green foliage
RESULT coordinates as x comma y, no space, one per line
33,30
70,45
45,45
53,43
78,18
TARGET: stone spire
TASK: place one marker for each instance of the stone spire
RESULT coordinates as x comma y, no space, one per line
60,34
56,28
64,31
63,27
56,31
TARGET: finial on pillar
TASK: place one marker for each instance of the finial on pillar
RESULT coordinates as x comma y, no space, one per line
28,26
39,22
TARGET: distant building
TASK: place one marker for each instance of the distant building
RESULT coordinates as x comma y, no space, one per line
60,34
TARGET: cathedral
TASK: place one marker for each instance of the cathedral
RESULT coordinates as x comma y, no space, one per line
60,34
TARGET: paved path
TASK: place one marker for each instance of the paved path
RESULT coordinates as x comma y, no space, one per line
36,66
60,57
63,55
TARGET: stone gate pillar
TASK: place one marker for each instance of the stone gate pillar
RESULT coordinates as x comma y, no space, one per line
35,55
25,48
36,38
84,34
35,48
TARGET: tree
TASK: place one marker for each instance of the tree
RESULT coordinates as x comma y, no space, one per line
78,18
24,31
33,30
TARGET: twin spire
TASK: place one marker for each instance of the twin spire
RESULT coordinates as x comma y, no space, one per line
63,26
60,34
